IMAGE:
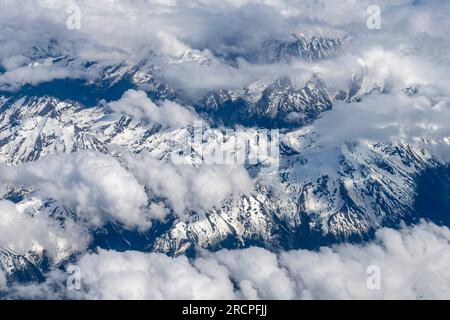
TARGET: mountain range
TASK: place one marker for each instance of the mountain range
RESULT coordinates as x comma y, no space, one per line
320,195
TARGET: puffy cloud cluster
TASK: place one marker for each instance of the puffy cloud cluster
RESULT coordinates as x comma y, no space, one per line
18,77
385,117
412,261
96,185
189,39
22,233
101,189
114,31
413,264
141,108
153,276
185,187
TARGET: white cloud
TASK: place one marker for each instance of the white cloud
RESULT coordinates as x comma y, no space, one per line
232,27
134,275
96,185
414,264
257,272
189,188
23,233
16,78
3,284
13,62
389,117
140,107
101,189
412,48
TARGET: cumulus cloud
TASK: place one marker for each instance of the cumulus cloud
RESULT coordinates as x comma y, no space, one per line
101,189
169,114
190,40
96,185
386,117
413,264
225,28
23,233
14,79
188,188
142,276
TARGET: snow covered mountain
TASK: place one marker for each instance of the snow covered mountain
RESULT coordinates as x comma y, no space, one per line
20,268
32,127
320,195
316,47
276,105
88,82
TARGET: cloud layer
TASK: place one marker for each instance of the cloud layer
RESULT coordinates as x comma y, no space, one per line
190,36
413,264
95,185
205,45
169,115
22,233
101,189
186,188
